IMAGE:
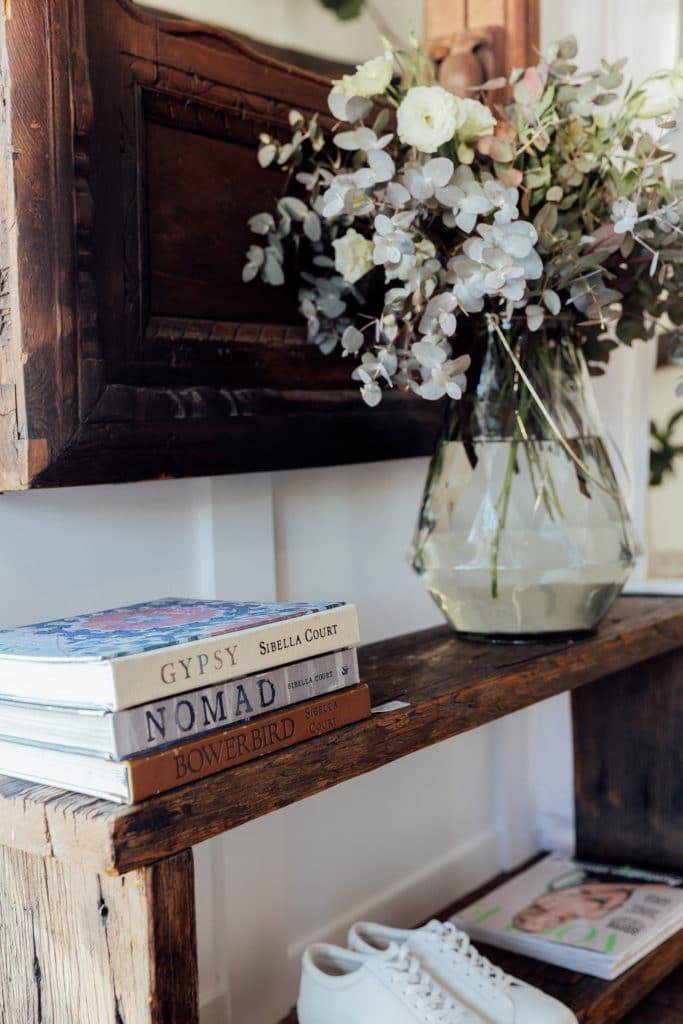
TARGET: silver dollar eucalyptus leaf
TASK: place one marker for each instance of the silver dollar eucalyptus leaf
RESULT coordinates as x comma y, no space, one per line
312,227
261,223
267,154
352,340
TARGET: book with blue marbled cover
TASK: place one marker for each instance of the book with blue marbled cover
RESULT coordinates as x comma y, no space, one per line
123,657
148,626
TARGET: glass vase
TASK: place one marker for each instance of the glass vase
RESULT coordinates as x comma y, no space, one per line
523,533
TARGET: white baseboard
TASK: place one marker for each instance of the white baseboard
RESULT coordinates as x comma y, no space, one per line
416,896
556,832
214,1008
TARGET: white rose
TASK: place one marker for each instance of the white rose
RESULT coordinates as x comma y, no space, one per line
428,117
656,98
370,79
352,256
476,120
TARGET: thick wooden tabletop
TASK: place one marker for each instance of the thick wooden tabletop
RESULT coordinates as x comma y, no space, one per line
451,686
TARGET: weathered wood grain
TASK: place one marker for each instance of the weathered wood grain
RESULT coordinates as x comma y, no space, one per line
628,752
172,941
13,452
592,1000
525,38
443,17
451,686
79,948
663,1006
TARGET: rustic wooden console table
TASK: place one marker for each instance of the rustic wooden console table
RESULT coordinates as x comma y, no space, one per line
97,914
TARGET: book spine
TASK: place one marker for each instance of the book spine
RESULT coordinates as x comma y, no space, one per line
191,715
140,678
177,766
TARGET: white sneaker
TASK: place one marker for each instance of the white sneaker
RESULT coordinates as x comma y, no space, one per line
390,987
449,956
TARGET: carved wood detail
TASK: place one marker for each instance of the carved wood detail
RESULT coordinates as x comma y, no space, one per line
465,59
475,42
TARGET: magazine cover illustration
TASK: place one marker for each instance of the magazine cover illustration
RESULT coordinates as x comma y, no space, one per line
593,907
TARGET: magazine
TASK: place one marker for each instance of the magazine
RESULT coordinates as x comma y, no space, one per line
595,918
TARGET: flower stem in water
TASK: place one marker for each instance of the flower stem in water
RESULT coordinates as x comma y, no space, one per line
502,507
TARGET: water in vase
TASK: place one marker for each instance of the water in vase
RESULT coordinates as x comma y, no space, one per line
518,538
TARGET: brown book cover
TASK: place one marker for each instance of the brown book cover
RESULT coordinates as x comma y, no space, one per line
193,760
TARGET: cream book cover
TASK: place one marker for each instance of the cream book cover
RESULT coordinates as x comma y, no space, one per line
123,657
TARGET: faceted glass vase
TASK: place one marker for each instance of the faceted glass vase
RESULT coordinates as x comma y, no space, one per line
523,532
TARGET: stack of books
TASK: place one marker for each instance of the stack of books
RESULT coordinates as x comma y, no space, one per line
127,703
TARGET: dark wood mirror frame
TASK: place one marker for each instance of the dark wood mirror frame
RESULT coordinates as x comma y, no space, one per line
129,347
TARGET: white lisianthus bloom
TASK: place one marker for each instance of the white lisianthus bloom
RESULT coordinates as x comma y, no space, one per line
656,98
477,120
352,256
428,117
370,79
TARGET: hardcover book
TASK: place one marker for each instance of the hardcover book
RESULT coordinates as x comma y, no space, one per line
135,780
121,734
596,918
126,656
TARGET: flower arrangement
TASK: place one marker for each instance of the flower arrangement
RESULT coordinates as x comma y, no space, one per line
425,214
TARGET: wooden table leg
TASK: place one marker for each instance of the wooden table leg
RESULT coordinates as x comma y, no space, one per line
81,948
628,753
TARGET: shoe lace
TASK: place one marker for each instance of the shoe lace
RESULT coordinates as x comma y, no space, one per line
457,942
424,993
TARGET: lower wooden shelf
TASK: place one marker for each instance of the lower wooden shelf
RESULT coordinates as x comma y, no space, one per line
664,1006
633,998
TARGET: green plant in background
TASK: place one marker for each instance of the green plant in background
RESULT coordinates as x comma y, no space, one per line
344,9
664,451
347,10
